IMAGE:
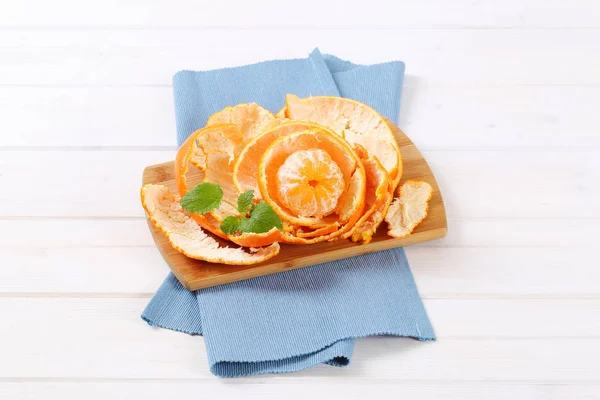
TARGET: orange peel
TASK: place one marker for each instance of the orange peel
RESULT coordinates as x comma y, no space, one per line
359,123
257,239
409,209
378,185
217,171
328,166
250,118
245,168
341,154
227,139
301,233
187,237
365,231
182,165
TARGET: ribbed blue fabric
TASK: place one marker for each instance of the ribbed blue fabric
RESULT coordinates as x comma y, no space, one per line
296,319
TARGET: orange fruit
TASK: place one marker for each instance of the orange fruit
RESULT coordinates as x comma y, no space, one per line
310,183
342,162
359,123
409,209
187,237
245,168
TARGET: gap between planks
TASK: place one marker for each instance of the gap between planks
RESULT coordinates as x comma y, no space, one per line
432,296
291,27
254,380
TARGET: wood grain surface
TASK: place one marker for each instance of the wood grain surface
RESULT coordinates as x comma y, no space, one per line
197,274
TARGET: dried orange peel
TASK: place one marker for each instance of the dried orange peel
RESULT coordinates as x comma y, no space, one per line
328,167
187,237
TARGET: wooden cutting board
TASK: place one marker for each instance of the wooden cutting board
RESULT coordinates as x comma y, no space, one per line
194,274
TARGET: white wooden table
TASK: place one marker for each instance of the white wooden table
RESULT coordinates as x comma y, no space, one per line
502,97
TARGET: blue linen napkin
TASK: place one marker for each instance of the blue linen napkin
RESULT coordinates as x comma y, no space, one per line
295,319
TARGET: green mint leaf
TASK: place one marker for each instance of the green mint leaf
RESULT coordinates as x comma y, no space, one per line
230,225
202,198
245,201
262,219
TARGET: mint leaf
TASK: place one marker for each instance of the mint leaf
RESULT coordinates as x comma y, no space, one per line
245,201
262,219
229,226
202,198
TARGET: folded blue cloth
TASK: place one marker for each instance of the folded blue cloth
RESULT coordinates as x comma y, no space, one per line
295,319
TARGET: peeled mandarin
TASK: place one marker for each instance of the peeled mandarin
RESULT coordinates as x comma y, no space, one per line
310,183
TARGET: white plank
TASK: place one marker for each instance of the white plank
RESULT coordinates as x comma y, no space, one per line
104,338
483,184
74,183
452,318
110,116
433,116
516,233
504,272
451,57
509,232
53,233
291,389
499,117
508,184
312,13
440,272
532,318
89,270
